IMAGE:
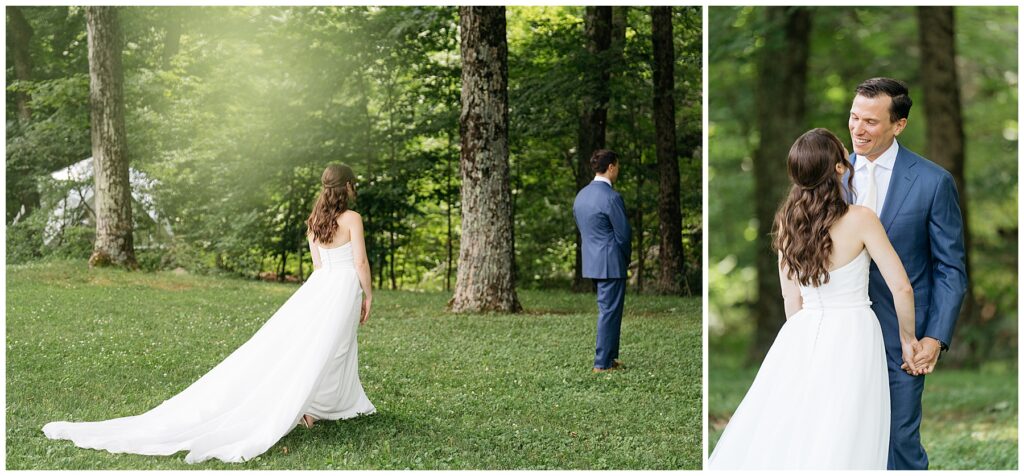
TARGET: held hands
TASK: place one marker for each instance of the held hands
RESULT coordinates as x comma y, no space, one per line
923,360
364,311
911,348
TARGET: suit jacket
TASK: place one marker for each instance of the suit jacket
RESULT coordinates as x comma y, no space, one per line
922,217
601,218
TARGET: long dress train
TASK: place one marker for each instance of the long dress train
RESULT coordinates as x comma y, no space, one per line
303,360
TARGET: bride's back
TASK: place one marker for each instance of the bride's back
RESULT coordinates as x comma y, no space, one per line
343,234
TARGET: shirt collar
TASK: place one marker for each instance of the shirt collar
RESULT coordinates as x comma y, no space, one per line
887,160
598,178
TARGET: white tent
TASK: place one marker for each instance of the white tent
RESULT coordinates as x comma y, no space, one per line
77,205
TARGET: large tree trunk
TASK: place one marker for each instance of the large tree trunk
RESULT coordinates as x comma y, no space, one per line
780,108
449,251
109,144
944,129
485,278
594,111
19,34
670,216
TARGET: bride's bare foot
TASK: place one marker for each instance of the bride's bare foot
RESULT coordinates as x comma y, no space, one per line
307,421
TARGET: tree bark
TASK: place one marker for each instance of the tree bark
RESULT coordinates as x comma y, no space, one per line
594,111
112,192
670,215
944,130
780,109
485,278
19,35
449,250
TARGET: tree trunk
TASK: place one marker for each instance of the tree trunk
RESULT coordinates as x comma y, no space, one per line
19,34
944,129
448,215
593,111
670,216
109,145
780,108
485,277
391,252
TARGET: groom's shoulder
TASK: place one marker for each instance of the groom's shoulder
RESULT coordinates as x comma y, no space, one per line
586,193
587,189
926,167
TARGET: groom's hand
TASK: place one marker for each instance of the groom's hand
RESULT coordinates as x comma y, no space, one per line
926,357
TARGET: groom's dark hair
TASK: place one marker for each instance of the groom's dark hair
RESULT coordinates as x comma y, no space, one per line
894,88
601,159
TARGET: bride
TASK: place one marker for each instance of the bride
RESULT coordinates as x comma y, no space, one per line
821,397
301,366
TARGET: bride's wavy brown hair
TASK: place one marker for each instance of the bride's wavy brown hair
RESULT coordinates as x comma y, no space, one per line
332,202
814,204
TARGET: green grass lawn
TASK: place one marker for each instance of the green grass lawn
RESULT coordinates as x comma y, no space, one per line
452,391
970,416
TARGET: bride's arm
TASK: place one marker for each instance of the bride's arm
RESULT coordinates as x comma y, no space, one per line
891,268
794,302
314,252
354,222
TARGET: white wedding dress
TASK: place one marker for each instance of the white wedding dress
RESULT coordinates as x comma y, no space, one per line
821,397
302,361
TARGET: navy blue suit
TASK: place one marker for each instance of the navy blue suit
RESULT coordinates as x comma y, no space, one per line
605,247
921,215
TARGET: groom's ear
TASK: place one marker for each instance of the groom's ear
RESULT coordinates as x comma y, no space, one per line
900,125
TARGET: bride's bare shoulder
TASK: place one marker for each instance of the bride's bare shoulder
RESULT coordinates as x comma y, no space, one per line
349,216
854,222
859,215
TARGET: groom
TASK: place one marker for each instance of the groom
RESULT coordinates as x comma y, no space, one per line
604,231
918,205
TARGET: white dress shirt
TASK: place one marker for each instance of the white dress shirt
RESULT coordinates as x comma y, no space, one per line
598,178
883,173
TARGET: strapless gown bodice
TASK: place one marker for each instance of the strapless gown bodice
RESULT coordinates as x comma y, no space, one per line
847,287
338,258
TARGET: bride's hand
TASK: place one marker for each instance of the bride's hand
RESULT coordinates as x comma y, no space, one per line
910,349
364,311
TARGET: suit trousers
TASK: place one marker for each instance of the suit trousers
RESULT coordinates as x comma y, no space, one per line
611,295
905,450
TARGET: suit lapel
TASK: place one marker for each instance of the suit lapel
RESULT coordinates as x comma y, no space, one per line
846,177
903,177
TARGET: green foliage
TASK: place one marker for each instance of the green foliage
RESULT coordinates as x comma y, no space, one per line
548,69
849,45
452,391
236,111
24,240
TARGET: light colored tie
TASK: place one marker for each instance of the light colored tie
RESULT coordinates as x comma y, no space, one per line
871,196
